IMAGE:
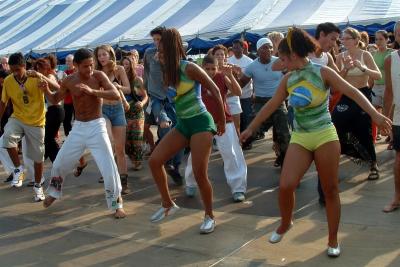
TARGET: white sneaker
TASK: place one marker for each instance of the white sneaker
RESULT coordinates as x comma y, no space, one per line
164,212
208,225
39,195
18,177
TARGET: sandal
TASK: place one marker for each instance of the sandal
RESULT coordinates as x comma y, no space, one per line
137,166
373,174
79,169
391,207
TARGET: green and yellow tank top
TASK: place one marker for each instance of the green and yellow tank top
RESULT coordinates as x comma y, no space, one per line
187,95
309,98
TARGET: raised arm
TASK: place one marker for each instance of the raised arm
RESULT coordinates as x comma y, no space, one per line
109,91
51,80
338,83
230,81
53,96
196,73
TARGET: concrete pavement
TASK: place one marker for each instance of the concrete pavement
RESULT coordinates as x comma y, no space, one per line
79,231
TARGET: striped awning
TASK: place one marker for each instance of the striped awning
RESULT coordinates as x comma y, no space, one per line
48,25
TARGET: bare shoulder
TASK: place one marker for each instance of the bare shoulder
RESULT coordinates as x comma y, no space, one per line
99,75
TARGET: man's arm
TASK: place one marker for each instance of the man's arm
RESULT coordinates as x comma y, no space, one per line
109,92
53,97
388,94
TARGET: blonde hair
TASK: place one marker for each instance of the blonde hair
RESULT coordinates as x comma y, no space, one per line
110,51
355,35
275,35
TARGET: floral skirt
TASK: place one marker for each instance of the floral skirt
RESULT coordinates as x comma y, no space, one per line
134,133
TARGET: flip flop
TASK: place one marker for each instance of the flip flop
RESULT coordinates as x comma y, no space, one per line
391,207
79,169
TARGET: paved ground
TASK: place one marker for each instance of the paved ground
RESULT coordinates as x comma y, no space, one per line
79,231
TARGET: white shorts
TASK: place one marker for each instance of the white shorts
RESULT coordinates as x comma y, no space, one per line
234,105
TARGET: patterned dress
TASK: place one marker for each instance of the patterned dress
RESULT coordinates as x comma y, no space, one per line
135,125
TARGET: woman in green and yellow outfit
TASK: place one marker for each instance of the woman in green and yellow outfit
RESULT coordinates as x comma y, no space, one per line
134,114
314,137
195,127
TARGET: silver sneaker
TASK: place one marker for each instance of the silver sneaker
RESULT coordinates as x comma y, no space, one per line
39,195
164,212
208,225
333,252
18,178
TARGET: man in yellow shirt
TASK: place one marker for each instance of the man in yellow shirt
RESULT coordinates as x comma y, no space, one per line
27,119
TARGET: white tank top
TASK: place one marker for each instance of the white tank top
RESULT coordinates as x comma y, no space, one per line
395,75
322,60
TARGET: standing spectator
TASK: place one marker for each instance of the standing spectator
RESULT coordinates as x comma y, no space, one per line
139,69
4,64
276,38
243,61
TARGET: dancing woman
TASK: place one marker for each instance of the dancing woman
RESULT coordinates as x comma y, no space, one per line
195,127
314,137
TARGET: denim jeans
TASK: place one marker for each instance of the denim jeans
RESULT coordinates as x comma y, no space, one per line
164,110
248,113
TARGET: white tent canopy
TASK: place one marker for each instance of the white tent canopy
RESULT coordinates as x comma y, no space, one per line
48,25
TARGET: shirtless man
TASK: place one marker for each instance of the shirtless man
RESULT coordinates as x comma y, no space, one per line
87,88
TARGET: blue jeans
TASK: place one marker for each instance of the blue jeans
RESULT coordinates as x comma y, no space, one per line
248,113
164,110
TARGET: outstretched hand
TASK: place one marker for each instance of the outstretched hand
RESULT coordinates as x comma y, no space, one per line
384,124
246,134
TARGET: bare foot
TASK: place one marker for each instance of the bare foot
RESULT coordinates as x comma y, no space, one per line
119,214
48,201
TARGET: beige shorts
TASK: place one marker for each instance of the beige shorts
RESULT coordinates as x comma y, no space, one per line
34,135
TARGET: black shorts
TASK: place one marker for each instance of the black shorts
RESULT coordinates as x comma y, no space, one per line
396,137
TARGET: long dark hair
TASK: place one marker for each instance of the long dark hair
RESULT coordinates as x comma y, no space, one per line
173,52
298,41
131,73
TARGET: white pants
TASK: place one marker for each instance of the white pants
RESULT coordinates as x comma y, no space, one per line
235,167
90,135
8,165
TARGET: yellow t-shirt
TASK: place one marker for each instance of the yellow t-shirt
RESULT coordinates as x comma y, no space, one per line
32,113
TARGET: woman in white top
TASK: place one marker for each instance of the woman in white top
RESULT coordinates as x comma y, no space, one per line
353,125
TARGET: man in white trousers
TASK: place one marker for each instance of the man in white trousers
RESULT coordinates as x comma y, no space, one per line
87,88
235,167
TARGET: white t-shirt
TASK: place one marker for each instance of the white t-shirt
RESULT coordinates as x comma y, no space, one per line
243,62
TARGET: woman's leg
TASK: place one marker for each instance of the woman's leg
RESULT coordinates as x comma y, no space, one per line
200,147
119,135
168,146
296,163
326,159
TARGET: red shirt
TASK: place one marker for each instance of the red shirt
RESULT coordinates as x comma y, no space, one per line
68,97
211,103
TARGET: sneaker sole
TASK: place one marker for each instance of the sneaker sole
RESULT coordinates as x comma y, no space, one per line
204,232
